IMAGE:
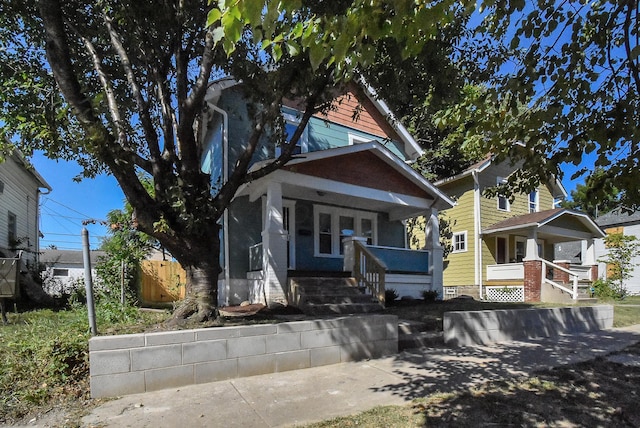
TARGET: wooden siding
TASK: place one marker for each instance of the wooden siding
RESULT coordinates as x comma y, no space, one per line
20,197
162,281
358,169
459,267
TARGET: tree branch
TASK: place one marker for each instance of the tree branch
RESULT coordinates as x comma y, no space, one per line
143,107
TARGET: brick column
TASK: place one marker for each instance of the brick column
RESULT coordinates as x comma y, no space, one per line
594,272
561,276
532,280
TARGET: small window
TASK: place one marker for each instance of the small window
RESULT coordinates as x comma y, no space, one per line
503,201
290,127
12,228
460,242
60,272
358,139
534,206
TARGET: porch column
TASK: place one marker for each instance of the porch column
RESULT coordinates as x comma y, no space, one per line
436,253
532,269
349,263
274,248
589,258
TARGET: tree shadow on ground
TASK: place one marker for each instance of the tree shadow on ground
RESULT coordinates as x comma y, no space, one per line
475,383
594,393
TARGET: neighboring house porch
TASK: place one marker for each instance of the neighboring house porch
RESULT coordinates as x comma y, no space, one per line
336,212
522,266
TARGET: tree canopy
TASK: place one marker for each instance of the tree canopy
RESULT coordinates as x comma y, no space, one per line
562,79
119,86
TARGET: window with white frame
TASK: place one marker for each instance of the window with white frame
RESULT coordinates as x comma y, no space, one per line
290,127
358,139
459,242
332,224
534,205
503,201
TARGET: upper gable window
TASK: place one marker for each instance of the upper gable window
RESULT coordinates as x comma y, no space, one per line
534,205
503,201
291,124
358,139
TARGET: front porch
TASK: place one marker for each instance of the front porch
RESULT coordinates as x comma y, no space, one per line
324,213
529,272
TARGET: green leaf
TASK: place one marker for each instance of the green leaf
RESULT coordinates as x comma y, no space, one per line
317,54
213,16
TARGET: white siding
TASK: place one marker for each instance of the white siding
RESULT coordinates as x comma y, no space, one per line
20,197
633,284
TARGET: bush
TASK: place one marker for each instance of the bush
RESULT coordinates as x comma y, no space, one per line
390,296
605,289
429,295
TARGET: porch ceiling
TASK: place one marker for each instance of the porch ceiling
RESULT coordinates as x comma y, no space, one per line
330,192
557,225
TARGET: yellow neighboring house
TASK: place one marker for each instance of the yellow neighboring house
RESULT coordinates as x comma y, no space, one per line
496,243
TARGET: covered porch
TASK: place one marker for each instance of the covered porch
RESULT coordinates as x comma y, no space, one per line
525,267
342,212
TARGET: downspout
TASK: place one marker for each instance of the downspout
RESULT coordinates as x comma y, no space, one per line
38,193
477,235
225,178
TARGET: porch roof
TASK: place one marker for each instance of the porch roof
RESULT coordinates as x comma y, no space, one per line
366,176
555,225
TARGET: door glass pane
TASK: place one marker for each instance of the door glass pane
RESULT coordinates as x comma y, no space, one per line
324,233
520,247
347,225
501,251
366,230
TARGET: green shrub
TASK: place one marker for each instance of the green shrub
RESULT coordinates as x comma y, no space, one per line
390,296
605,289
429,295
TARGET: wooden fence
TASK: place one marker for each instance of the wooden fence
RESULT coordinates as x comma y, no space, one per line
161,281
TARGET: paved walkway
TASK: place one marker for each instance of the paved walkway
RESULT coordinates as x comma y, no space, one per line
304,396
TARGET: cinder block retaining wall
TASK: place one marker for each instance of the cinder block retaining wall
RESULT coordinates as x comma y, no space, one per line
484,327
134,363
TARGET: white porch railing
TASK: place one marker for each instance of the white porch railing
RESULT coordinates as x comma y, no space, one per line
369,271
573,291
505,271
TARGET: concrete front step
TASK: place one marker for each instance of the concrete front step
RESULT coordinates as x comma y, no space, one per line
331,295
426,339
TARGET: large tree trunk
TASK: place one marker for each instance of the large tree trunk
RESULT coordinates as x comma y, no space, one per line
202,264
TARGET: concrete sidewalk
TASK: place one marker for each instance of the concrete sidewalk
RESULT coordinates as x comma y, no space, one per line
316,394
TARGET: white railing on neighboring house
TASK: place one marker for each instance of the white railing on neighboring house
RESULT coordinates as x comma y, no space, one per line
546,265
505,271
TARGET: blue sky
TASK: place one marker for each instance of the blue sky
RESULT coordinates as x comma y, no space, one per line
63,211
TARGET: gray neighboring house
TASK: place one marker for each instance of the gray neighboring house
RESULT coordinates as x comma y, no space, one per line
64,269
628,223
